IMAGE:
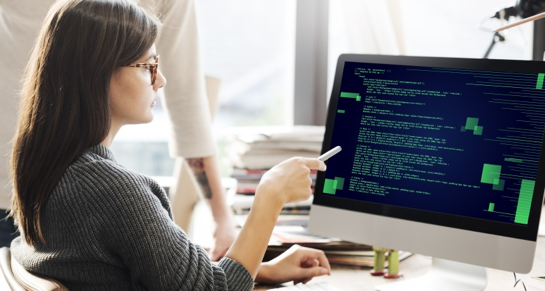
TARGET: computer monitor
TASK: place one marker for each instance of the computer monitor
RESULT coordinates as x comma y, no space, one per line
441,157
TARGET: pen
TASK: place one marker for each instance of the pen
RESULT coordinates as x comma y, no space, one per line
330,153
527,19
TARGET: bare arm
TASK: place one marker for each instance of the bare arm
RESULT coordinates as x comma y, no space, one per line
288,181
208,176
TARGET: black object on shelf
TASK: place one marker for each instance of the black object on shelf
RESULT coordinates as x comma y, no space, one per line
524,9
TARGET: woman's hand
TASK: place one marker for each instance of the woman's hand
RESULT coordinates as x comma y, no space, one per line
286,182
297,264
289,181
224,236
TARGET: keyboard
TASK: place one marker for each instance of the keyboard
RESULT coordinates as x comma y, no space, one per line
322,286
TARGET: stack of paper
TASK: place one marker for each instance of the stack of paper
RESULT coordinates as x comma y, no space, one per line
271,145
256,150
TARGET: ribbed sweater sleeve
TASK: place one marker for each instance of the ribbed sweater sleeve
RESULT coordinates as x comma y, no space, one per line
122,218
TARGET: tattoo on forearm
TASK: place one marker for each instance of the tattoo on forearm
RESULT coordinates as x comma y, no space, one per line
197,165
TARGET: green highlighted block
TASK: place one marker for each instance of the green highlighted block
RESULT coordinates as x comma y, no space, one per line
340,111
539,83
525,201
472,123
332,185
340,183
351,95
491,174
498,184
491,207
478,130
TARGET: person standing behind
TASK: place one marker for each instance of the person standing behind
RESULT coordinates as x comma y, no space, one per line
187,107
184,99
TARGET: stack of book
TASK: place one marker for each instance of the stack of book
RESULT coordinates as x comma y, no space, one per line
247,179
253,153
268,146
337,251
291,229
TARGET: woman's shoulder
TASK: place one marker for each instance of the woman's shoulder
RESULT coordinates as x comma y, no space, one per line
95,163
96,178
96,170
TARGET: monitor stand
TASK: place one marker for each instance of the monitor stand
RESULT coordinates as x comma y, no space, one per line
444,275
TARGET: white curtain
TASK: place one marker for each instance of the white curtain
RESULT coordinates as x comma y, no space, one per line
363,27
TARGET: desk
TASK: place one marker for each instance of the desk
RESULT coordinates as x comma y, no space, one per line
349,279
417,265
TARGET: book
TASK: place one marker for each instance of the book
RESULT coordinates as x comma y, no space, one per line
366,261
242,174
246,190
337,251
361,256
290,234
265,147
283,133
242,204
300,145
266,160
283,220
273,250
247,186
250,188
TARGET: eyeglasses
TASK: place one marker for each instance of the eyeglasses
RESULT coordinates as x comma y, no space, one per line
152,67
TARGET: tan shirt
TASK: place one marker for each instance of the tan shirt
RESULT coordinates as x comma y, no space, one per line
184,98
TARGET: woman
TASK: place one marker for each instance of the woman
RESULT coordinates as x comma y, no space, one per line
87,221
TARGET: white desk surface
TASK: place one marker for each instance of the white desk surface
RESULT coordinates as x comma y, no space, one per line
348,279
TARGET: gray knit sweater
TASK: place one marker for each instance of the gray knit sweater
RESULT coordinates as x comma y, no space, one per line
107,228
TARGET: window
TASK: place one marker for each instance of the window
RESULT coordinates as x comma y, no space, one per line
250,46
458,29
421,28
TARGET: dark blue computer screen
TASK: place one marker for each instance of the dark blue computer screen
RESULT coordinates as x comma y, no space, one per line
454,141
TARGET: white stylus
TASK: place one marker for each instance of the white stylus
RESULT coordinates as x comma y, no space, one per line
527,19
330,153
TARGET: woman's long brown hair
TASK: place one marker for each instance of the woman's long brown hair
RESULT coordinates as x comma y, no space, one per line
64,99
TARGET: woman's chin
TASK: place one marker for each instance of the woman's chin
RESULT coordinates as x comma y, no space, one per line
145,119
150,119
